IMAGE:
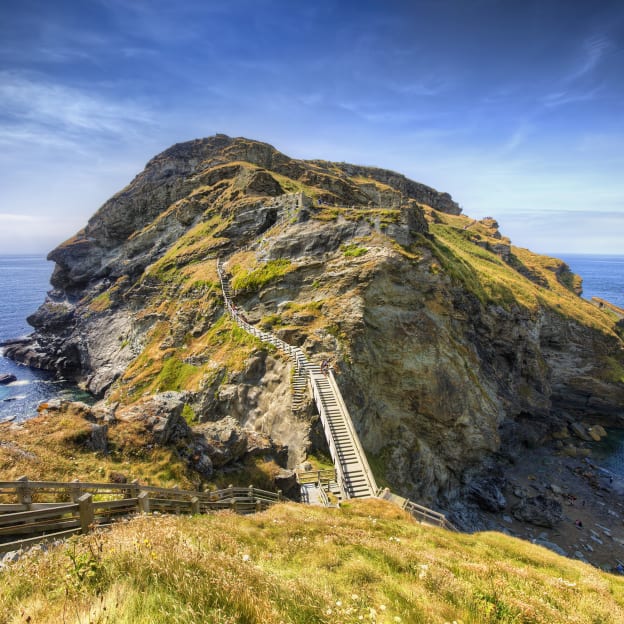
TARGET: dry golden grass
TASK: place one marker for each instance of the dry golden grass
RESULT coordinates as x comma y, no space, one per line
55,447
365,562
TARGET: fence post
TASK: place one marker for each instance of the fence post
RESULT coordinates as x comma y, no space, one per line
258,505
75,491
177,505
24,493
143,502
85,508
195,505
279,495
133,490
250,492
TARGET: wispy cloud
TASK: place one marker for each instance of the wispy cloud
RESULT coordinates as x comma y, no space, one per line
6,217
594,49
563,97
52,113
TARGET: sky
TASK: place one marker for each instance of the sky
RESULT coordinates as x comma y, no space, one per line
514,107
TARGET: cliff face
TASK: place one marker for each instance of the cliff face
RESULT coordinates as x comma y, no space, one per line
453,347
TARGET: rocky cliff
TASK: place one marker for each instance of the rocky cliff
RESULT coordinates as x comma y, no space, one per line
454,349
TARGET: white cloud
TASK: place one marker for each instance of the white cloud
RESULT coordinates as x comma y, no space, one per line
37,110
594,49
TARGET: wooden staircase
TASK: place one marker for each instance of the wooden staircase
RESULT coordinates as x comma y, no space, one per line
353,474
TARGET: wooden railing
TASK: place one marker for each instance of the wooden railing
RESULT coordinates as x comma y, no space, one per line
331,444
324,477
79,506
428,516
355,437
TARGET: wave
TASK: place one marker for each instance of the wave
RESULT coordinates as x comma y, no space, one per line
19,382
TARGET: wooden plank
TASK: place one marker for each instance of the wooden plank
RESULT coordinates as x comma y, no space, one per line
116,504
37,514
40,527
25,543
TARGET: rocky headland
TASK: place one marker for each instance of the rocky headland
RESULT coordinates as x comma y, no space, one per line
463,359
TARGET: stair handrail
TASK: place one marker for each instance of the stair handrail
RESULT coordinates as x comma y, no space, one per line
354,435
333,451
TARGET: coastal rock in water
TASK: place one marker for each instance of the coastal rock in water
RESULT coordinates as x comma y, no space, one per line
7,379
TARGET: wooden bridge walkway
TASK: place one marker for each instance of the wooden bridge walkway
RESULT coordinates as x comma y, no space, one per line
353,474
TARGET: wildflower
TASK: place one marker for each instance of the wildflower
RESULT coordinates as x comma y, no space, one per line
246,557
354,596
382,607
339,603
397,618
329,611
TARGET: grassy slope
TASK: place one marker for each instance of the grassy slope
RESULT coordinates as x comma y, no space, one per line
365,562
492,280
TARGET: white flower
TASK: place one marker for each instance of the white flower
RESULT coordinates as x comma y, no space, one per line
354,596
339,603
246,557
382,607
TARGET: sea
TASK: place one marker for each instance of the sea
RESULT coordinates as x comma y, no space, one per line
24,281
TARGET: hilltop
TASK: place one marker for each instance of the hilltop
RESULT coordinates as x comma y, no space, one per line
463,359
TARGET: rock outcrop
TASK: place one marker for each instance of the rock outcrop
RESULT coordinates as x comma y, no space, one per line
454,349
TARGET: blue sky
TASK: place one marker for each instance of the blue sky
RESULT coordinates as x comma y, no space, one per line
515,108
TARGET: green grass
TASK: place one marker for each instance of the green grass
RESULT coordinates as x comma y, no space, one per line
174,375
256,277
101,302
365,562
188,413
353,250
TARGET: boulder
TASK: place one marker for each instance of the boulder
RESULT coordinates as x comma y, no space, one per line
224,441
539,510
117,477
579,431
487,494
98,440
7,379
597,432
162,415
286,482
551,546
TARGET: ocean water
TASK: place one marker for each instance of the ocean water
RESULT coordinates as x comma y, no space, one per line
603,276
24,281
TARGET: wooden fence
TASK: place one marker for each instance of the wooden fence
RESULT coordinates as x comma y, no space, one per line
49,510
